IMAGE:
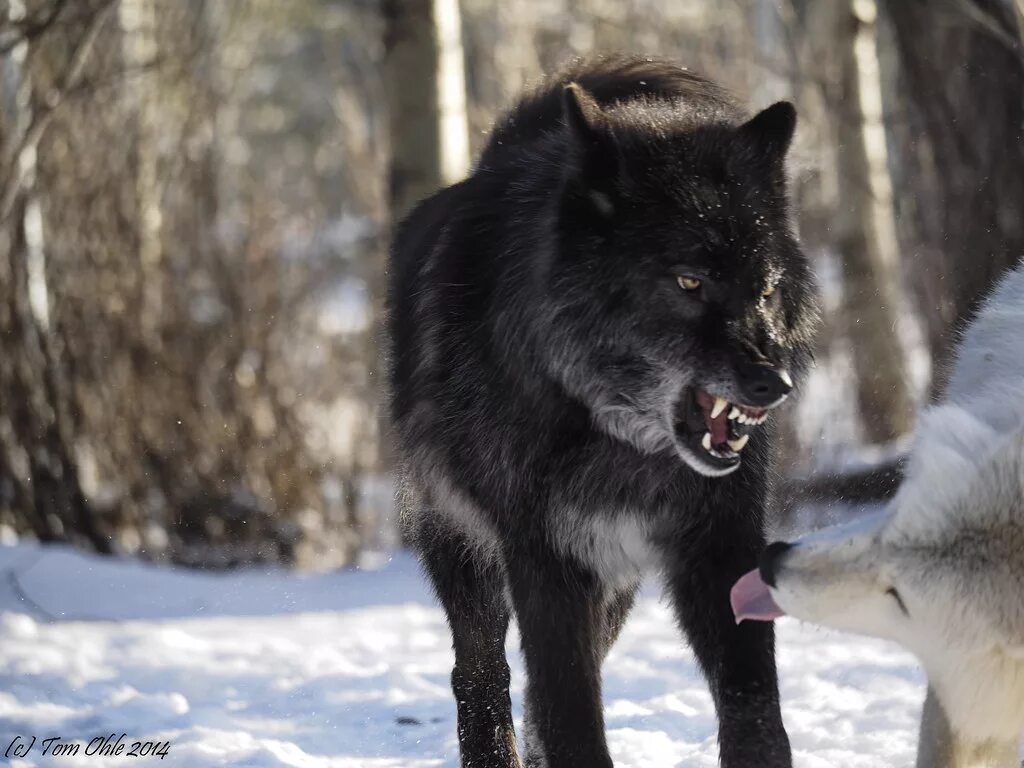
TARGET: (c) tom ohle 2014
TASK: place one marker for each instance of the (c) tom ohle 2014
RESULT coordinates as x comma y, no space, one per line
108,745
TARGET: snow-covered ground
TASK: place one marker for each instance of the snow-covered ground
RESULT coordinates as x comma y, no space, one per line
350,670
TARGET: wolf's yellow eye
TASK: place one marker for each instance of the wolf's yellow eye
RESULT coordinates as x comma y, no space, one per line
688,283
768,292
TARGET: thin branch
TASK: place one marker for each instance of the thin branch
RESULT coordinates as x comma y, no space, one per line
13,178
988,22
29,29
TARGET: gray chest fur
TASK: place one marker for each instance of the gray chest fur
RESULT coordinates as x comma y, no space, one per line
615,546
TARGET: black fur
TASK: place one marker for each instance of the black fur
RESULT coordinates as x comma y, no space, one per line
545,362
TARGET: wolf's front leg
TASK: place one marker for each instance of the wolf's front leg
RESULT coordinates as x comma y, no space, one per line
470,588
561,616
738,661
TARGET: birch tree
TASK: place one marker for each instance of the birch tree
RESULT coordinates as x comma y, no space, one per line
956,104
426,92
865,232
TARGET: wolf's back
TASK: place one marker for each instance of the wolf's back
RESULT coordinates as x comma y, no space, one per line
410,316
970,442
609,80
988,374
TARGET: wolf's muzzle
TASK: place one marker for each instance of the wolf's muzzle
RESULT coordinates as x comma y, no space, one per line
762,385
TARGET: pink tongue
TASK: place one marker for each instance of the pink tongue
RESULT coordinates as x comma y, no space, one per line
720,429
751,599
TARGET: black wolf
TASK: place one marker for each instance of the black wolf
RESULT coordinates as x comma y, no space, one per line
586,335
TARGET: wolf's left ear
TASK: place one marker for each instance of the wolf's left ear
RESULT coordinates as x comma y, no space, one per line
595,160
770,132
581,113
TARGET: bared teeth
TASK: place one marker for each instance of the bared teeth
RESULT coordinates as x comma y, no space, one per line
739,443
706,441
720,405
753,418
735,413
786,378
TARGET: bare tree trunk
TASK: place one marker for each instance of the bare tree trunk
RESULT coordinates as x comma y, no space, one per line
871,276
138,27
957,107
37,439
426,91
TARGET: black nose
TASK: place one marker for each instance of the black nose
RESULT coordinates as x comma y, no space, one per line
763,385
770,559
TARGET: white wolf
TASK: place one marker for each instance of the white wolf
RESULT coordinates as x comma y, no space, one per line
941,570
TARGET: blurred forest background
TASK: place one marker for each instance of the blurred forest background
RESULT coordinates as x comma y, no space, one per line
196,198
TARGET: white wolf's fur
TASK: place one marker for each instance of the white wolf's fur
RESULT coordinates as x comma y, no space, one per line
951,544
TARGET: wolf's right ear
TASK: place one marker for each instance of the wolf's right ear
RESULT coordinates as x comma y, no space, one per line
595,157
770,132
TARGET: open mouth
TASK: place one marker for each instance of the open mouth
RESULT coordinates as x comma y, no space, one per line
714,428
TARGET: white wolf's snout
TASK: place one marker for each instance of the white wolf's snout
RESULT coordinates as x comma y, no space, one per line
837,576
941,569
751,599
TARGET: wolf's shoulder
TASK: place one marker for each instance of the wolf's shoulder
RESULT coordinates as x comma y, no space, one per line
989,361
982,413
